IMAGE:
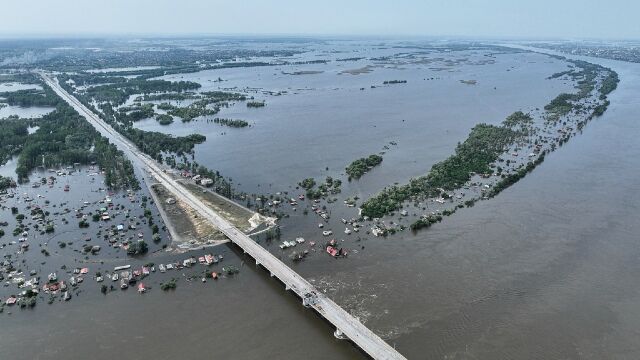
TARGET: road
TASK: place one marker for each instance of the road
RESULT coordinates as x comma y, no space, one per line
348,325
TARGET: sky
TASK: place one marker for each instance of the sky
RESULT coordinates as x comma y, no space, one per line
569,19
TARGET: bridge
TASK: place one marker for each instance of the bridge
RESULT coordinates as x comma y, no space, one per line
346,325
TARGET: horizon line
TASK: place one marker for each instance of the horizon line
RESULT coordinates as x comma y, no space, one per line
342,36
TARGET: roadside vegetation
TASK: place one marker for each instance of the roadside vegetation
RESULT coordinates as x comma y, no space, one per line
66,138
61,137
155,143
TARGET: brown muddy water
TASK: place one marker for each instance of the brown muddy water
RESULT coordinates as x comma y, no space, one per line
549,269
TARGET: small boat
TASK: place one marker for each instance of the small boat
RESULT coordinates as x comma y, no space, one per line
66,188
347,231
73,281
53,277
115,277
214,275
327,233
300,240
124,284
162,268
321,225
67,296
141,288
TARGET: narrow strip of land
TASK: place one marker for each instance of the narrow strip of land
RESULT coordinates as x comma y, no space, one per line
346,324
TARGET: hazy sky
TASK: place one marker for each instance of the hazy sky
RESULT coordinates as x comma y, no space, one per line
501,18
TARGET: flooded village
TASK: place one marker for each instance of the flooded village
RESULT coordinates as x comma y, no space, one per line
70,230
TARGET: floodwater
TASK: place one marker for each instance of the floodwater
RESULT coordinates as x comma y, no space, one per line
546,270
15,86
24,112
330,121
9,168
